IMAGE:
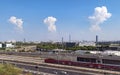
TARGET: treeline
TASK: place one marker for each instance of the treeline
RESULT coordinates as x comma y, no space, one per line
50,46
19,43
82,48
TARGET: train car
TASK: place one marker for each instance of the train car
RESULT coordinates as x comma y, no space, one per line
87,60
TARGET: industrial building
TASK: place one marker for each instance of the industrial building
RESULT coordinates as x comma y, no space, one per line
87,43
6,45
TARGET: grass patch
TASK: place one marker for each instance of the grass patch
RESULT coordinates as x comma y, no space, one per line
8,69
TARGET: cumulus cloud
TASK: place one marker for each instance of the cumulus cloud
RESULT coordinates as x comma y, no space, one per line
18,22
95,28
50,22
100,15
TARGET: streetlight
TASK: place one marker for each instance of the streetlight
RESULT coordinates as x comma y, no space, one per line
57,58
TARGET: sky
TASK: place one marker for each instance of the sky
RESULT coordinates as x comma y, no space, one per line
50,20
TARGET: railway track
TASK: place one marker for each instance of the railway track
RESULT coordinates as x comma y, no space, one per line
9,58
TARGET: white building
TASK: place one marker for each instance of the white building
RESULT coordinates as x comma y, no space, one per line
87,43
1,45
10,45
107,52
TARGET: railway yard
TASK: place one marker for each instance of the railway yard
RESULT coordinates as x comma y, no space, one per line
34,63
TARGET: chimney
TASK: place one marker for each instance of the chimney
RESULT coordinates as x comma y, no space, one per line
69,38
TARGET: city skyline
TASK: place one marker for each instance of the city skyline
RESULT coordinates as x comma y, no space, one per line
44,20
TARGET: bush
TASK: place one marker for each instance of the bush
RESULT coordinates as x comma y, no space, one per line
8,69
2,48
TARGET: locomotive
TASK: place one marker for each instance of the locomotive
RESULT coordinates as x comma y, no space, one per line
98,61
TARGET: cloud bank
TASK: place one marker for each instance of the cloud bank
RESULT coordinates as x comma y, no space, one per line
16,21
100,15
50,22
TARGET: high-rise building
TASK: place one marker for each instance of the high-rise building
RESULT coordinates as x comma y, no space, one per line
96,40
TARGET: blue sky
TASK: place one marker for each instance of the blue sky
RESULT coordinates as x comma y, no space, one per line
71,18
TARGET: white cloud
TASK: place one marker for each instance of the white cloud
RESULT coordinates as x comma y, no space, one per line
50,21
95,28
18,22
100,15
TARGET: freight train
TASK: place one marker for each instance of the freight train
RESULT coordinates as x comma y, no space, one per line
98,61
